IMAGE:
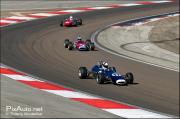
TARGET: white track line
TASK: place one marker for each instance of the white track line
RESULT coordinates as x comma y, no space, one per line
8,21
44,14
21,17
72,11
71,94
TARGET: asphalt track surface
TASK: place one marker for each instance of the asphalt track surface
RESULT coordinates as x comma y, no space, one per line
37,48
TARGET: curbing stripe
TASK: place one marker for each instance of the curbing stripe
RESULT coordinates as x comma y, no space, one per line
165,1
99,8
9,71
17,20
42,85
104,104
130,4
21,77
84,8
7,21
59,12
114,5
72,11
3,24
36,16
71,94
145,3
44,14
21,18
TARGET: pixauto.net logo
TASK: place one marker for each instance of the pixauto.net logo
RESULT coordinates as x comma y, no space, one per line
23,111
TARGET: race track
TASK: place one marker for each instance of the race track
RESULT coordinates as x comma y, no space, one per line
37,48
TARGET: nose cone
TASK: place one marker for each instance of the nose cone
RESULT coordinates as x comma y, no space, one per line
120,81
82,47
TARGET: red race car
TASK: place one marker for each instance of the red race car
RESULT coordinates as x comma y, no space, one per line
69,22
79,44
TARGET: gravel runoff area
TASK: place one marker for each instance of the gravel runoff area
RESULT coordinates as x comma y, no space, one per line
35,103
165,34
156,42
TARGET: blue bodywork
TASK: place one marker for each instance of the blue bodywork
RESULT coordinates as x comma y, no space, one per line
109,73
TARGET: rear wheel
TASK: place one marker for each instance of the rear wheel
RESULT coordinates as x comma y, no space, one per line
82,72
70,46
100,78
129,77
66,43
61,24
80,21
88,41
91,46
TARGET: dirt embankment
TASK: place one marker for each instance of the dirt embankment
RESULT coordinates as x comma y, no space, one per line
165,34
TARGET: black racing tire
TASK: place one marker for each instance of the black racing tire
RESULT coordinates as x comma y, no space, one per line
70,46
80,21
66,43
100,78
129,77
61,24
82,72
94,75
88,41
91,46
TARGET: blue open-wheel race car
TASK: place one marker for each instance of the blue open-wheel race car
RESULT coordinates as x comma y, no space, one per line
102,73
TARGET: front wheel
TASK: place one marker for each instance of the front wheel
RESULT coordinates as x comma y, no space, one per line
80,21
61,24
82,72
92,46
88,41
129,77
66,43
100,78
70,46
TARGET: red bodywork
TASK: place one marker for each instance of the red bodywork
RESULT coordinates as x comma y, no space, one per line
72,22
68,22
80,44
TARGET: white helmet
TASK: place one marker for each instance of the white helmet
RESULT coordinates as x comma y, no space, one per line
71,17
105,64
79,38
